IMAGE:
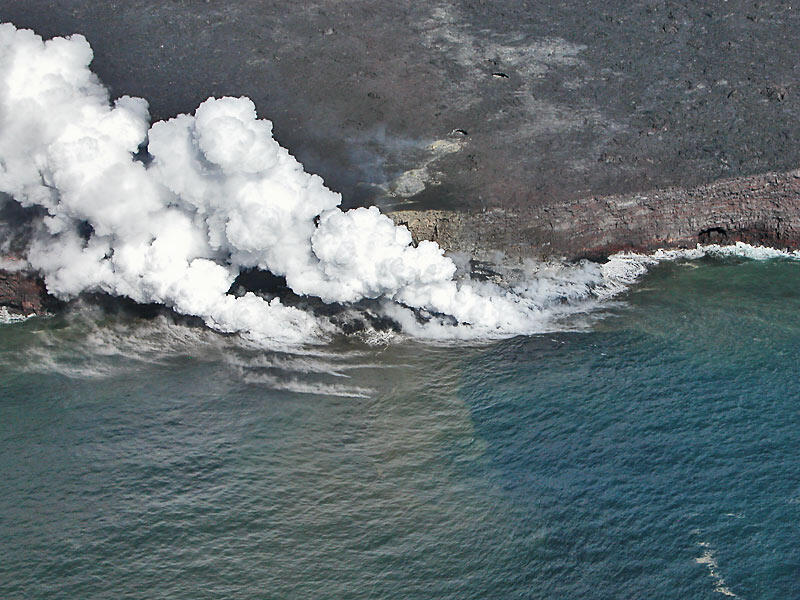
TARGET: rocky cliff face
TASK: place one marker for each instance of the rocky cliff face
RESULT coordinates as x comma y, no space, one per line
762,209
23,293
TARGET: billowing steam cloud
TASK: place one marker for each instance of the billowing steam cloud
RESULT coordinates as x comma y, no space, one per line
219,195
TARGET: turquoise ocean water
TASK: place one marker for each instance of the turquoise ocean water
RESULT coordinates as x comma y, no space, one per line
652,454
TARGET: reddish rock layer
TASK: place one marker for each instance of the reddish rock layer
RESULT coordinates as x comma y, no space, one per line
761,210
22,293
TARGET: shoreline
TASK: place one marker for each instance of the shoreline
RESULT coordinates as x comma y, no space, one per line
762,210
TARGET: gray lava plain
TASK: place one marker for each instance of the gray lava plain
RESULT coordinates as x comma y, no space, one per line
471,106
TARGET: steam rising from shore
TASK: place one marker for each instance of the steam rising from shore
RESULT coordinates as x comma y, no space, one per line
217,195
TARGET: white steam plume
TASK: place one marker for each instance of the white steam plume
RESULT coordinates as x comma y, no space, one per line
220,195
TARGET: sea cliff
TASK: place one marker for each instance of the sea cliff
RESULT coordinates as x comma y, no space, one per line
23,293
760,210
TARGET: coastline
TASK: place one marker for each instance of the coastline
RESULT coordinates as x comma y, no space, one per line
23,294
762,210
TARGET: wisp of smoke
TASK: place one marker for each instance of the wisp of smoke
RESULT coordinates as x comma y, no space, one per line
219,195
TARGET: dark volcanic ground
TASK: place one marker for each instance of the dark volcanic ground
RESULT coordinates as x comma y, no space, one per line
559,100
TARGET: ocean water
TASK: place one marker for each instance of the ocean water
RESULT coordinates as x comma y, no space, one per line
651,453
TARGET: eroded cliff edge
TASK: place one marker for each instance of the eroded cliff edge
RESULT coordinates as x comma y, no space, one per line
23,293
760,210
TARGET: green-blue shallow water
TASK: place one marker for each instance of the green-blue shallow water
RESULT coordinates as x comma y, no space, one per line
654,455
